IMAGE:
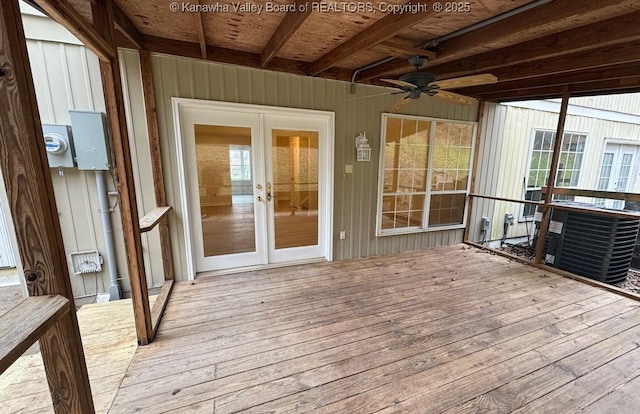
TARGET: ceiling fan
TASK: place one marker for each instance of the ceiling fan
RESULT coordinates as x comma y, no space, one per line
416,83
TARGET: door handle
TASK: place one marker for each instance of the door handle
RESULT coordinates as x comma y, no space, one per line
268,191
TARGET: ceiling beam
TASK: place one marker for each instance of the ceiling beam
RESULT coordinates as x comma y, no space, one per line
605,33
202,40
65,14
126,27
378,32
398,49
630,70
288,26
528,24
235,57
601,57
557,13
606,87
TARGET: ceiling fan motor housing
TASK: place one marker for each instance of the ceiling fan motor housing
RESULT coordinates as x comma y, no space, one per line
420,79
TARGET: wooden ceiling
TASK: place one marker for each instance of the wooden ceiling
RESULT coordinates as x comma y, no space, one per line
535,48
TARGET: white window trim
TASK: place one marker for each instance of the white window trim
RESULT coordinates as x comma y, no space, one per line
636,162
428,192
532,138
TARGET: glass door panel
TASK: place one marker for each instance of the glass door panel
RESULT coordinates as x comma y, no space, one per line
256,187
295,168
223,175
223,158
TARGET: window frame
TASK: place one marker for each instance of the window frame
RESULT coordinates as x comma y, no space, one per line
532,139
428,192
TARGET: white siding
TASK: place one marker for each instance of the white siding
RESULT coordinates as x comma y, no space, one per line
518,130
489,167
67,76
628,103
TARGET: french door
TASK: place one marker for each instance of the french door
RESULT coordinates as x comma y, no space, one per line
617,171
258,185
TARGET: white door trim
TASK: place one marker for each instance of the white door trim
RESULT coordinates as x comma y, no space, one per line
180,104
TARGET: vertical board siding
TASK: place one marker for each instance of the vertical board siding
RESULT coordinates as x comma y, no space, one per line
355,195
67,76
519,125
628,103
63,81
488,173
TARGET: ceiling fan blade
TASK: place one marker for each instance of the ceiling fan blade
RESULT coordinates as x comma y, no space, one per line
400,83
454,97
475,80
401,103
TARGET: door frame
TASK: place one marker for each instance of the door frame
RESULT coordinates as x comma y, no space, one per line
180,104
618,144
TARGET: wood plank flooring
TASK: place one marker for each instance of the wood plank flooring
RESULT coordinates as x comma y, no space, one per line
109,340
451,329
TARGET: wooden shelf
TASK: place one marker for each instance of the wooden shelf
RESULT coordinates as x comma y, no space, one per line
152,218
23,325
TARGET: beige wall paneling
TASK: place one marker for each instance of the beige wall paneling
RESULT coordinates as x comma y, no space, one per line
67,77
355,195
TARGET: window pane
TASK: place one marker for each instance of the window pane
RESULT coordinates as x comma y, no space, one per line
389,155
450,180
392,134
530,209
453,155
419,180
569,160
409,129
420,156
466,137
531,181
537,141
463,179
390,179
405,180
446,209
409,151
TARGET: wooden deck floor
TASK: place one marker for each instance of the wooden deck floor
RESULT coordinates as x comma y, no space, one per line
109,340
446,330
451,330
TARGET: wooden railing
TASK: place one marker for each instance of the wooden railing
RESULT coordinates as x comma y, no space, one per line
24,324
155,217
543,230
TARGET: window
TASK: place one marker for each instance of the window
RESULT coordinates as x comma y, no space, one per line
569,164
240,169
424,174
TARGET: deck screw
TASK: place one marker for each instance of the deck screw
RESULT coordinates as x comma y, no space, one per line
32,277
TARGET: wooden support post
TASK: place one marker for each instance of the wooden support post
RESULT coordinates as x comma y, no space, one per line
474,171
551,181
112,85
156,159
33,209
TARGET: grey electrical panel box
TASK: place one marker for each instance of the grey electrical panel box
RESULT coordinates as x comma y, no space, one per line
58,142
90,139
